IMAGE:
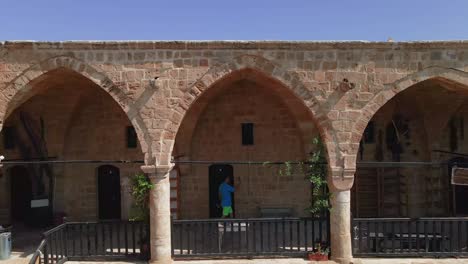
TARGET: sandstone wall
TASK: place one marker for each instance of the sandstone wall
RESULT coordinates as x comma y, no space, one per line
80,122
155,83
217,137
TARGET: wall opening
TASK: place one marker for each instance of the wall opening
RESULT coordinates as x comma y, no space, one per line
423,124
65,116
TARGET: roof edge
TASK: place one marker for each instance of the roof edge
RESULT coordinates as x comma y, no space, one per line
227,44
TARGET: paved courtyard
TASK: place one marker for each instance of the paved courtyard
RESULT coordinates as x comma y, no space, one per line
301,261
231,261
25,241
23,260
409,261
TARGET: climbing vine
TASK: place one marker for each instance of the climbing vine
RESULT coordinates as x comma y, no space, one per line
140,189
317,174
315,171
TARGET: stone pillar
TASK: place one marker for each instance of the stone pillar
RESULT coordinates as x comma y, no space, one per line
160,213
340,226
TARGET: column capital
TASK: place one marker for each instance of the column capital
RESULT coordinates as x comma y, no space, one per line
157,171
341,179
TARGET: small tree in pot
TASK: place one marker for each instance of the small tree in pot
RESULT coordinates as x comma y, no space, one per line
320,253
315,170
141,186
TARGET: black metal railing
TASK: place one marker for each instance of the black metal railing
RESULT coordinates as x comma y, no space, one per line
248,237
405,237
93,241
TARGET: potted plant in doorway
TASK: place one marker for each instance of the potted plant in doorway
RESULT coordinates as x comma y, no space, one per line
319,254
141,186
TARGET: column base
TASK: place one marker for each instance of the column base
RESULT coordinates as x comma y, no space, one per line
342,260
161,261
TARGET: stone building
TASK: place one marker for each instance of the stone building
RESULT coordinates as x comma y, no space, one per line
190,100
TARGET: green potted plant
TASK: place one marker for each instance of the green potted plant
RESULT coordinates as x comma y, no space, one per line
315,170
141,186
319,253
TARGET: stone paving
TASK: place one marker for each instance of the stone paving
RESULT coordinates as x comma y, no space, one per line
25,241
21,260
230,261
409,261
17,258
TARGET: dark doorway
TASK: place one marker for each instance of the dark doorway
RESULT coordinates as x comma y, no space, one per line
218,172
459,192
109,192
21,193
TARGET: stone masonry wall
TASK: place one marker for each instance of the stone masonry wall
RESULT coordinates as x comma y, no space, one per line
100,127
80,122
343,84
217,137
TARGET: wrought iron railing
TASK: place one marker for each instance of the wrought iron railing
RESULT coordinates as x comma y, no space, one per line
93,241
405,237
248,237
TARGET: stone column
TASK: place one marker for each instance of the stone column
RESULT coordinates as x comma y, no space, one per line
160,213
340,226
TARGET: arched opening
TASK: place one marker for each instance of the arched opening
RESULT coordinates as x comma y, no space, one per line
406,150
246,116
65,116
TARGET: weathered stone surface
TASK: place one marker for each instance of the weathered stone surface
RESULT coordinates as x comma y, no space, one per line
340,229
160,215
341,84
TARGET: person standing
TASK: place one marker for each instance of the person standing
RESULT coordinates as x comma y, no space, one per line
225,195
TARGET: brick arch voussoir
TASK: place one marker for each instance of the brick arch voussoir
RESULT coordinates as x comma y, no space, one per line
258,63
22,85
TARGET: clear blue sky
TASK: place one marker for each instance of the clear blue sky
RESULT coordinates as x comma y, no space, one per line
234,20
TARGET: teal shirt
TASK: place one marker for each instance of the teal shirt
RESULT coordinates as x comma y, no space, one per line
225,190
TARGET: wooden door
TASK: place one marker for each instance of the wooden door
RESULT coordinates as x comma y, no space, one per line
109,192
21,193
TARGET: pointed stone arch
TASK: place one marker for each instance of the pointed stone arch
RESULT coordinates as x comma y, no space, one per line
444,76
245,65
20,89
256,63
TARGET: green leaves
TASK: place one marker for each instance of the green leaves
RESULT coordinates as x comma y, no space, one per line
315,170
317,175
141,187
